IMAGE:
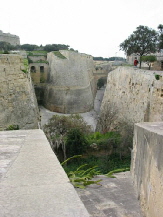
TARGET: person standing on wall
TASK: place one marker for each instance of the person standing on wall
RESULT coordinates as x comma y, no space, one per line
136,62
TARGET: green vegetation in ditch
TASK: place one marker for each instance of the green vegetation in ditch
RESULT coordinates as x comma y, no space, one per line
103,152
83,175
105,163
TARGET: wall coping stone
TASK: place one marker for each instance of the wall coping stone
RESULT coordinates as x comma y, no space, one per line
32,181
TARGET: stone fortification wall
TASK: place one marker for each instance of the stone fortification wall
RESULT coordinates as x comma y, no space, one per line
102,68
70,87
135,93
35,58
12,39
18,103
147,167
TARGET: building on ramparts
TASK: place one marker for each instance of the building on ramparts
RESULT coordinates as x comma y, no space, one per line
18,102
157,65
12,39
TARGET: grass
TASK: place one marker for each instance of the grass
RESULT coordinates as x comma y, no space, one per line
103,152
104,141
25,62
59,55
26,65
37,53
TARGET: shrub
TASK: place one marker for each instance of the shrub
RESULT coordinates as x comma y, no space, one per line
107,141
101,82
76,142
157,77
25,71
13,127
149,60
6,52
107,119
57,129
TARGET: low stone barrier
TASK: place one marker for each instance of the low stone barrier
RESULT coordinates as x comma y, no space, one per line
147,166
32,181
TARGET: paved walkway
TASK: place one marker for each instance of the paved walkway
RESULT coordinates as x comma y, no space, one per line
115,198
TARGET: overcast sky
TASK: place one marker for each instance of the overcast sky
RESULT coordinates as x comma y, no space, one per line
94,27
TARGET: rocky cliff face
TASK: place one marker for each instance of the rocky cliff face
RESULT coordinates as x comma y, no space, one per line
70,87
135,94
18,103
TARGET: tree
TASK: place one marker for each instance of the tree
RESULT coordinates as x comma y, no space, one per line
143,41
55,47
107,118
29,47
160,45
6,46
57,129
148,60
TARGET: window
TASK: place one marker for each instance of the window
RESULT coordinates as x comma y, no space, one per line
33,69
41,68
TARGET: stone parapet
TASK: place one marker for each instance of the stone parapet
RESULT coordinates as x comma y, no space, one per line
147,167
33,182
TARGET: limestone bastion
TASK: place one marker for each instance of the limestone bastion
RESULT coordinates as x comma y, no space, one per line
7,37
18,104
70,86
135,93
